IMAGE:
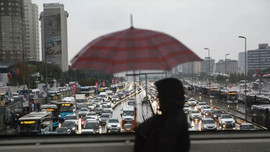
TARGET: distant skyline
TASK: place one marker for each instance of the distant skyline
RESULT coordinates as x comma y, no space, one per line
213,24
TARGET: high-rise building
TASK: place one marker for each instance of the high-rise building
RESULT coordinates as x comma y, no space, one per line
54,35
230,66
11,31
241,62
258,59
31,43
205,66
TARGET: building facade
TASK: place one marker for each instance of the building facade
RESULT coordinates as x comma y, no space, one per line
11,31
241,62
205,66
54,35
31,43
259,59
230,66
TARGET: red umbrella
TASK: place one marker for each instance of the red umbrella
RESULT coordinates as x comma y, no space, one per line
133,49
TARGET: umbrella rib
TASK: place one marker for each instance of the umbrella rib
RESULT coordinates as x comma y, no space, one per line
112,61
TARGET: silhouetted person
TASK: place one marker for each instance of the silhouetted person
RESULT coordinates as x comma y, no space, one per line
167,132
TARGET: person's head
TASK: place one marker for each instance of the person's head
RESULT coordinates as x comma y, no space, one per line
170,94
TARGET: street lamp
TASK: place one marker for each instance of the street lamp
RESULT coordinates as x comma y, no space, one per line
242,37
225,69
209,66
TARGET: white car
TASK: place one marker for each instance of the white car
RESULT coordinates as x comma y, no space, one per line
206,110
208,124
192,102
195,114
83,112
113,125
226,121
200,104
92,114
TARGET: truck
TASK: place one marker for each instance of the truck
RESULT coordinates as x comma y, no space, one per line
80,100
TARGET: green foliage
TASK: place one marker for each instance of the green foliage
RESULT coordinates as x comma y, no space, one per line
25,74
221,78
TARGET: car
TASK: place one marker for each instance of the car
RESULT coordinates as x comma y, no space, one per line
206,110
127,125
97,102
247,126
195,114
92,114
115,98
186,108
91,106
87,118
103,118
70,125
91,127
200,104
72,118
216,114
131,102
113,125
226,121
208,124
98,110
192,102
83,111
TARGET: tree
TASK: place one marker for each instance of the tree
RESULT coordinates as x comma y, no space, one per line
22,73
221,78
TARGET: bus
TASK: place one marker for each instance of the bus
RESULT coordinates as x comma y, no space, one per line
232,97
36,123
88,90
66,107
35,93
260,115
212,92
55,112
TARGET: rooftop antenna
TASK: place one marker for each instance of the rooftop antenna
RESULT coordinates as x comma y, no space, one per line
131,21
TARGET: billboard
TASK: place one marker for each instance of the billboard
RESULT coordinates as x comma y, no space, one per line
52,36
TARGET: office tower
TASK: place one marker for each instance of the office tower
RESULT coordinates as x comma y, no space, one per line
31,45
11,31
54,35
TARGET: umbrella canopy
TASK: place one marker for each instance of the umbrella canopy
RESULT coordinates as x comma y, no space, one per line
133,49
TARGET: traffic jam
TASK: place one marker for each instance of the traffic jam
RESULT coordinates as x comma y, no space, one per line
113,109
85,113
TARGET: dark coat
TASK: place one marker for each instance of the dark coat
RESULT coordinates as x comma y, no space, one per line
163,133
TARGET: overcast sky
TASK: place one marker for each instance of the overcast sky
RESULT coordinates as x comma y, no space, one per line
199,24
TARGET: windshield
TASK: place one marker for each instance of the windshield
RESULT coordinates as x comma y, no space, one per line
128,113
66,109
104,116
226,116
209,122
246,127
91,125
68,124
80,101
113,121
71,118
